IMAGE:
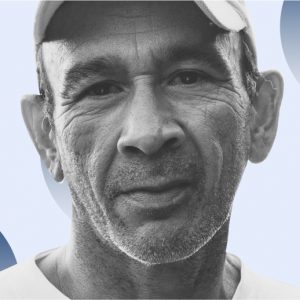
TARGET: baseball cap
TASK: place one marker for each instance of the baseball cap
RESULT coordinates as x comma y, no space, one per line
230,15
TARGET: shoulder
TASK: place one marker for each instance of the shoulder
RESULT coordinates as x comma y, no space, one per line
25,280
255,286
15,279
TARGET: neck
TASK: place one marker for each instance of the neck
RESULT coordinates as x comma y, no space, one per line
90,268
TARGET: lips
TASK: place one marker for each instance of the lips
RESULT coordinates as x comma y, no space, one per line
158,195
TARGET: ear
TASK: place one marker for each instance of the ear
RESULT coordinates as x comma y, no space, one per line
42,134
265,107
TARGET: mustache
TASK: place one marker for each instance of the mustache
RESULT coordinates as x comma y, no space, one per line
131,174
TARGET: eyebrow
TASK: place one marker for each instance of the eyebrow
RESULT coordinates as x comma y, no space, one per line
89,69
203,53
162,57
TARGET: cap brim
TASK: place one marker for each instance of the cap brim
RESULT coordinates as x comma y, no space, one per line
223,14
45,12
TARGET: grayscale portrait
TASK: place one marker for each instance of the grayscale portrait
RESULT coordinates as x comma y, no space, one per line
150,111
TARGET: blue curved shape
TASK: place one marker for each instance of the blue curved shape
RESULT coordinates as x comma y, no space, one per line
290,35
7,257
59,191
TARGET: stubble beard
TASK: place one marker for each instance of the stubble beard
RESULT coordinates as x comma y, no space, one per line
184,241
178,245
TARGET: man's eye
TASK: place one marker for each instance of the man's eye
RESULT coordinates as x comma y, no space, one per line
103,89
187,78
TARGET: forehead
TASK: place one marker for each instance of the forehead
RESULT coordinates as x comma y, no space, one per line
84,19
140,33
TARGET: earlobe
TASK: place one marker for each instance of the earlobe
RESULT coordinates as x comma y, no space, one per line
41,134
264,121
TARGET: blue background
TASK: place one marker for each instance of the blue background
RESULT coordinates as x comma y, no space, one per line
265,222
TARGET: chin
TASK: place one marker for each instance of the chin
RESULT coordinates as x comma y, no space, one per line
152,246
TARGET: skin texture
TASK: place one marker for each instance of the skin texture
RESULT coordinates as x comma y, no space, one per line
153,142
155,130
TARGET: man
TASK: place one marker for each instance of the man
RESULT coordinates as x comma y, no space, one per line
150,111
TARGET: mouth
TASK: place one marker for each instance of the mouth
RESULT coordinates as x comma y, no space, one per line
158,196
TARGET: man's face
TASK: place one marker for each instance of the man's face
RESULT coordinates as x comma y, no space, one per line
150,122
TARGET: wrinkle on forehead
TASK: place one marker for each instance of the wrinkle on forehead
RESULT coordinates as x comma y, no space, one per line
85,18
147,20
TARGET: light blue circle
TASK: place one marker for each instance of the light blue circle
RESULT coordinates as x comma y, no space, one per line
59,190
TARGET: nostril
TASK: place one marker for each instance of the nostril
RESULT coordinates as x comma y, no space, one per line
132,150
171,143
149,140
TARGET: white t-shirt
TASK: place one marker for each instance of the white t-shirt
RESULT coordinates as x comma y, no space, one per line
26,280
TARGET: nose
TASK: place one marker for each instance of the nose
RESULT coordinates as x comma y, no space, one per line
149,126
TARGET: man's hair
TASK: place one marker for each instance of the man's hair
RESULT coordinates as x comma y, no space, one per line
45,89
249,69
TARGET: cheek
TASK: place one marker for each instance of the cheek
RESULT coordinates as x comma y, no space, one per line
231,139
215,122
218,130
86,139
229,131
77,139
229,123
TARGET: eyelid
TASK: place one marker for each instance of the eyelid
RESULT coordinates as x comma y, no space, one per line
202,70
86,90
199,72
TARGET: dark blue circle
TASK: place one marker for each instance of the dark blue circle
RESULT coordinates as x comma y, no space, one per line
290,35
7,257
